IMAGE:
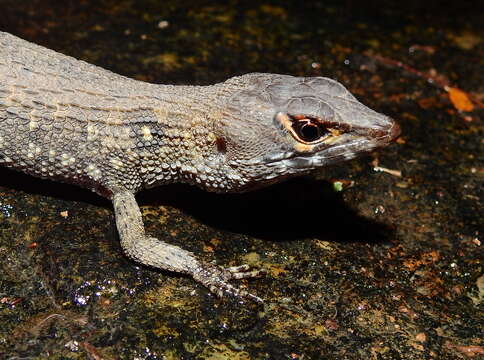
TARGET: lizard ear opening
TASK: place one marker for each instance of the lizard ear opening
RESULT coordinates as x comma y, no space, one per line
221,145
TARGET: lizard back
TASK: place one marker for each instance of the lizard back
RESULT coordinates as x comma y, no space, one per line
67,120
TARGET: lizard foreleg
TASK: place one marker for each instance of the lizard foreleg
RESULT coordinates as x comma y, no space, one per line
159,254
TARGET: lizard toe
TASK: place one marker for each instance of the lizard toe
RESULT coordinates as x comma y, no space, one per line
216,279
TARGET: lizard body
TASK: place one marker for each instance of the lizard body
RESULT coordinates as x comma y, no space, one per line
66,120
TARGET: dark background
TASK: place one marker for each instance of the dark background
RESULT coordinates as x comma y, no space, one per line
389,268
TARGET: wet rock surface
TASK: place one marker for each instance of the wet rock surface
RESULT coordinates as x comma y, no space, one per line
360,264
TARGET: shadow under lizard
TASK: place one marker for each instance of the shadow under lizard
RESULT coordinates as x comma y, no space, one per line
70,121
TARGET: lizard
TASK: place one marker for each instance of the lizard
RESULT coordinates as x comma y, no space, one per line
66,120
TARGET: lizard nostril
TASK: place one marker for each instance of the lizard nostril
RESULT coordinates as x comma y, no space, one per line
395,131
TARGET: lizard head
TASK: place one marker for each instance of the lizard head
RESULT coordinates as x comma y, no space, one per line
276,126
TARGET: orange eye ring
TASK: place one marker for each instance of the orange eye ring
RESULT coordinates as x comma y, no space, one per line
310,130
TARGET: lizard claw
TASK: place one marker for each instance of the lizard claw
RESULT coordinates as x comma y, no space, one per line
216,279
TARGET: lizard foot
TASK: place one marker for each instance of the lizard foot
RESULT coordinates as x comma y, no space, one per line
216,279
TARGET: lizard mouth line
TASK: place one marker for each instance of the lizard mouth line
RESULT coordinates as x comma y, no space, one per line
332,153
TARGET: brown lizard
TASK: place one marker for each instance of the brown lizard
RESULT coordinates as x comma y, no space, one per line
66,120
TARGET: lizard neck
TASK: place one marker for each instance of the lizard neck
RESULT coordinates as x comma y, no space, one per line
178,142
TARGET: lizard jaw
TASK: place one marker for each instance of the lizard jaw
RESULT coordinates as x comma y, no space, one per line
346,147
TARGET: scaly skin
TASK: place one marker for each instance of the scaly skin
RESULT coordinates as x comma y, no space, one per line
69,121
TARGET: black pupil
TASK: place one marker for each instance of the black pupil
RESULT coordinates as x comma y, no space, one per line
309,131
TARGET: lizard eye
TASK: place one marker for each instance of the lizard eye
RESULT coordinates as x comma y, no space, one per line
309,130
